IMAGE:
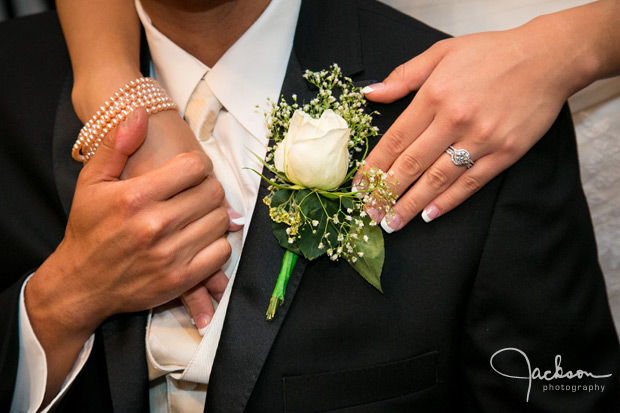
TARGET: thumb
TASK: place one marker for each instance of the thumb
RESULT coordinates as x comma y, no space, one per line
406,78
117,146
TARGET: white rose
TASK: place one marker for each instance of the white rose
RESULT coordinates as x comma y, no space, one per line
314,153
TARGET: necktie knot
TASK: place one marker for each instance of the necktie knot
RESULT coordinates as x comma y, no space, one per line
202,111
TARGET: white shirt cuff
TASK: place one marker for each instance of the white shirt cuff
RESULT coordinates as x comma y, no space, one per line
32,366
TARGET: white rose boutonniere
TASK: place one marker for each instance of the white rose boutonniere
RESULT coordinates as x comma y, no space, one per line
315,153
313,208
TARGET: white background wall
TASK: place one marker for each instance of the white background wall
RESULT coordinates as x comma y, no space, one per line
596,112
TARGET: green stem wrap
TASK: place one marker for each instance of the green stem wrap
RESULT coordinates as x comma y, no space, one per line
277,298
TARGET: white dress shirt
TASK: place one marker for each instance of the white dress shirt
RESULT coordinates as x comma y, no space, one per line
249,73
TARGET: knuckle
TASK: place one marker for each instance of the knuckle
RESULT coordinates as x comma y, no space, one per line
132,201
206,161
397,141
460,115
216,191
436,178
485,130
109,140
166,258
511,147
410,164
222,216
436,93
442,43
192,300
472,183
175,278
226,249
219,222
150,230
197,303
400,73
408,206
193,164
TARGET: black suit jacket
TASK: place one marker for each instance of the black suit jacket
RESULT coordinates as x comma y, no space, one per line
513,267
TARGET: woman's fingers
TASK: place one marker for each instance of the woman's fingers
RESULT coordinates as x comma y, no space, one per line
407,77
198,304
467,184
199,300
216,285
436,179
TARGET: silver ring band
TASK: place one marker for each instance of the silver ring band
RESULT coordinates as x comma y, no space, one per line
460,157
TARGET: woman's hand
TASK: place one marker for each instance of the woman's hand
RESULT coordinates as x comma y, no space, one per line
493,94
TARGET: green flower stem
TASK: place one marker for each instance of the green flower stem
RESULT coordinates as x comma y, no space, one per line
277,298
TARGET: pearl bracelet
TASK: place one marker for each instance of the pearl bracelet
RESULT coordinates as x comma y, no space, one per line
143,92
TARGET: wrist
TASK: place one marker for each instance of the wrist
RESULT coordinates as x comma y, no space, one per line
568,61
91,91
58,310
584,42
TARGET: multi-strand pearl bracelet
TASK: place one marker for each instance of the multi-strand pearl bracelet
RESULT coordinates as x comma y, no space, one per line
144,92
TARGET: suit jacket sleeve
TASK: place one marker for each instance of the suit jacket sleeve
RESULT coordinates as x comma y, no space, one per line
33,220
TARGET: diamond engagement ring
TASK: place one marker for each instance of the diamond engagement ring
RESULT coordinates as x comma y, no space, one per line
460,157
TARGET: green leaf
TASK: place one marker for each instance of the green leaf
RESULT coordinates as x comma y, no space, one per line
369,266
280,197
279,228
316,208
347,203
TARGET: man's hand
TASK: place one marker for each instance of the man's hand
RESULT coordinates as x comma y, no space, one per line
168,135
129,245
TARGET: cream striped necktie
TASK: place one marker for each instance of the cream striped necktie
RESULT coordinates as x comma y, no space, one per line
174,347
202,111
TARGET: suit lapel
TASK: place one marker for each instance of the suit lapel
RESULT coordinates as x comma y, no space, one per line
247,336
328,32
125,354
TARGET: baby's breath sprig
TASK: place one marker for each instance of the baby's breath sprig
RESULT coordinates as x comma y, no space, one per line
314,221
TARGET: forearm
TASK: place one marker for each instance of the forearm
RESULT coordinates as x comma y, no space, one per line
104,41
587,40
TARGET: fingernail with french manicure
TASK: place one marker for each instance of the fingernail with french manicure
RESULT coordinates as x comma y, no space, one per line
372,88
391,223
358,185
375,214
236,218
430,213
202,322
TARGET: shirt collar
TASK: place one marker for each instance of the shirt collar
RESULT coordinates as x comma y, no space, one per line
251,71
